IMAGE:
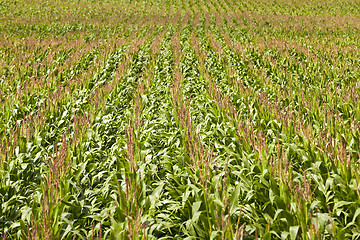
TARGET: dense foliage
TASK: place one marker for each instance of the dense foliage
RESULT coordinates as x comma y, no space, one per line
188,119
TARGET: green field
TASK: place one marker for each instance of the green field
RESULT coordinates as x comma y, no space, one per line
169,119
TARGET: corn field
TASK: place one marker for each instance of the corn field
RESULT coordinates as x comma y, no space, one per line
186,119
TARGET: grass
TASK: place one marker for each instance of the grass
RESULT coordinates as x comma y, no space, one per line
179,119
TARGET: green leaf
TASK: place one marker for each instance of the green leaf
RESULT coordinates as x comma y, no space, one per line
218,202
234,199
293,232
213,235
357,212
340,234
267,236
